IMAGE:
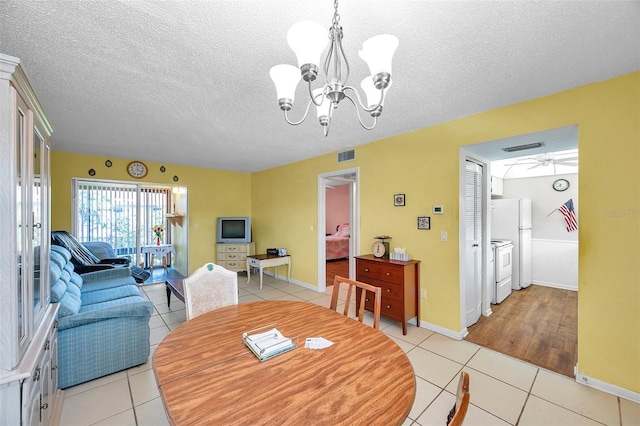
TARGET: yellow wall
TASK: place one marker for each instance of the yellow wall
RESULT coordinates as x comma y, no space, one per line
212,193
424,165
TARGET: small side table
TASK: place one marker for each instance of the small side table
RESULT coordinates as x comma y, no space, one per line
262,261
163,250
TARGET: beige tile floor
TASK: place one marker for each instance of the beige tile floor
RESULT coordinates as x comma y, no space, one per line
503,390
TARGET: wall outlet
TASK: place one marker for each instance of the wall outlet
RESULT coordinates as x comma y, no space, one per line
443,236
423,293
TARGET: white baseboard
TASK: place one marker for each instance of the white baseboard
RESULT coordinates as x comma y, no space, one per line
444,331
554,285
608,388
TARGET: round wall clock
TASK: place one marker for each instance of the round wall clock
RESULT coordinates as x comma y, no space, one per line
137,169
561,185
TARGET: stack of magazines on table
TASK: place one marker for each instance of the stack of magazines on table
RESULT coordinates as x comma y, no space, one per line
267,342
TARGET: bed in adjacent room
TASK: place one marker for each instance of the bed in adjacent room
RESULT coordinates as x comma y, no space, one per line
338,244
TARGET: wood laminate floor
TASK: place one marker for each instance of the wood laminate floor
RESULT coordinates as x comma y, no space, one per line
337,267
536,324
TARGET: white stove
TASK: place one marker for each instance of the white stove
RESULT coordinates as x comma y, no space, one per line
503,267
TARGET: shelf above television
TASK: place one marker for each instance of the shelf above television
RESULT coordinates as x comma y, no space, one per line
174,219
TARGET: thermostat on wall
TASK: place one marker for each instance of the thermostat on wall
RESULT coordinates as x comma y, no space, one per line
438,209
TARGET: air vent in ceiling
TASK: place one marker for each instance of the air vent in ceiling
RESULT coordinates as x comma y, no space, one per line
346,156
523,147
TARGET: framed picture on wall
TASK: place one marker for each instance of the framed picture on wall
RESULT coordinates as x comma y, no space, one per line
424,222
398,200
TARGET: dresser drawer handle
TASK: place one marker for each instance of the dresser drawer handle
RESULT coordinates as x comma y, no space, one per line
388,290
366,299
388,273
366,269
388,306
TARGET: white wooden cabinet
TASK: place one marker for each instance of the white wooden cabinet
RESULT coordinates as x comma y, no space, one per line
497,186
28,335
234,256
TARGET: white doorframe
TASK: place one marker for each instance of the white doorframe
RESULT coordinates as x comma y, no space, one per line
354,220
486,239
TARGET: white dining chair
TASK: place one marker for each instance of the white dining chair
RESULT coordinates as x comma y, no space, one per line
210,287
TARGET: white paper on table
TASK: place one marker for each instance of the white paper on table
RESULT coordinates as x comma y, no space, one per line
317,343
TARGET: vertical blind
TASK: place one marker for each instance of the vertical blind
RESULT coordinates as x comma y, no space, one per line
120,214
473,195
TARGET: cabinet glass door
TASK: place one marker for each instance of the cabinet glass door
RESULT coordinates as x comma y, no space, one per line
20,220
38,237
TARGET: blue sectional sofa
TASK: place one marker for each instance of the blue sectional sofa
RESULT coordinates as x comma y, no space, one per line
103,320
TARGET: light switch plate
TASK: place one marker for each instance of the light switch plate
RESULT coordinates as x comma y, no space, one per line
438,210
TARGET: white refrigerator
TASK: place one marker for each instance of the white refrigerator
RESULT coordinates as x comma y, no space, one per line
511,220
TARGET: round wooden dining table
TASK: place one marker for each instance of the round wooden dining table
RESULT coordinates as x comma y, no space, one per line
207,376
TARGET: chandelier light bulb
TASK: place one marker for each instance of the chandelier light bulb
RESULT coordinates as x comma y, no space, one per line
307,39
373,94
323,109
378,52
286,78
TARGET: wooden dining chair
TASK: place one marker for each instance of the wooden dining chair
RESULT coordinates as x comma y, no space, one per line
459,410
210,287
365,288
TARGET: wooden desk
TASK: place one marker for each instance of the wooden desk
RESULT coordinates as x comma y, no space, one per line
262,261
206,375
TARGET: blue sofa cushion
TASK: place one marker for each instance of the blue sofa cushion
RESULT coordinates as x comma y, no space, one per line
69,304
108,294
58,289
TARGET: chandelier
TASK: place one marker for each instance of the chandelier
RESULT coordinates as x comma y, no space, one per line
308,40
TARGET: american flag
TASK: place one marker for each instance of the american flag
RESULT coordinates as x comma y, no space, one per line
569,215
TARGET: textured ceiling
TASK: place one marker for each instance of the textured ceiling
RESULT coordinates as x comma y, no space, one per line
187,82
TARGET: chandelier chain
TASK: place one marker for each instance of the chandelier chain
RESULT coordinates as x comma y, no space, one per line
336,16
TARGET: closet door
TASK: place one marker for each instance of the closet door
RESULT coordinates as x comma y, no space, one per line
473,252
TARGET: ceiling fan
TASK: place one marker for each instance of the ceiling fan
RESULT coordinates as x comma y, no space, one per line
545,160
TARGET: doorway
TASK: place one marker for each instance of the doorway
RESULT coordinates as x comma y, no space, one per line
337,233
537,324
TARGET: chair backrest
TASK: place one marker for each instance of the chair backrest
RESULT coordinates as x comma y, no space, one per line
80,255
459,410
210,287
364,299
100,249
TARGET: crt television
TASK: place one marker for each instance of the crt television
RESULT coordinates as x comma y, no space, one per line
234,230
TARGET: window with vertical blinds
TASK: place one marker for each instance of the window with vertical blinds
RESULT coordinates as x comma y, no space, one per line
121,214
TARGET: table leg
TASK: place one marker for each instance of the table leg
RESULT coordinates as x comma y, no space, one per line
151,258
260,277
248,272
168,294
289,270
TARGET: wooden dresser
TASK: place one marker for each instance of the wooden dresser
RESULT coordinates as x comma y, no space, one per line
400,284
234,256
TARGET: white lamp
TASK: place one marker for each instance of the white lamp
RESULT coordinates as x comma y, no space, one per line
286,78
378,52
308,40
